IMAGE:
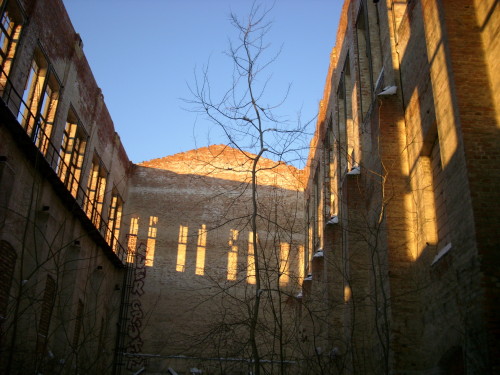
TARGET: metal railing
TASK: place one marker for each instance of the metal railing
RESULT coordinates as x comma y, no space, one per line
31,123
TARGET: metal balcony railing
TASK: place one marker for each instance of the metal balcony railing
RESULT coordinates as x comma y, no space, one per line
32,125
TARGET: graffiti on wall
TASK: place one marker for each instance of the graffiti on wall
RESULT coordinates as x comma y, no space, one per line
136,313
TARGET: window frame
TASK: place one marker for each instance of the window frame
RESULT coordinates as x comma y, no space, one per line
40,100
115,215
96,191
72,153
9,36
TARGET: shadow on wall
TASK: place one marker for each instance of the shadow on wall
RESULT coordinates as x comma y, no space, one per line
200,226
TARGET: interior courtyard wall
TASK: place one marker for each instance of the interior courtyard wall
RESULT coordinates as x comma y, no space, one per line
429,267
198,285
63,298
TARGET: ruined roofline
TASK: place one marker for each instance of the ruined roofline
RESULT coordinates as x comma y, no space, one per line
225,162
324,103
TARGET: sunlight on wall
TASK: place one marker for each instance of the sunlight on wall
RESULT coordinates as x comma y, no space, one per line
333,185
251,260
441,84
352,132
181,249
408,202
411,243
347,293
430,223
232,257
151,243
489,35
301,263
132,239
308,256
284,263
200,250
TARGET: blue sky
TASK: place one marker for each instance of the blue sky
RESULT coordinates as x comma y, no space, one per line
144,54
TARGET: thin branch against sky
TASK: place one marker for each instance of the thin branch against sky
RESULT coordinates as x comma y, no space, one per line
143,55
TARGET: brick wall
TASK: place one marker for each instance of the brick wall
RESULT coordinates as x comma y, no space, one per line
49,233
198,284
438,283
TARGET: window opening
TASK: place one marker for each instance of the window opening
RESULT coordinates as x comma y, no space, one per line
114,220
132,239
7,267
308,226
39,102
232,257
317,217
284,263
96,188
330,171
301,265
341,121
181,248
200,250
439,197
364,60
151,242
436,216
78,325
369,55
72,153
32,94
251,275
46,313
348,142
310,239
48,106
10,32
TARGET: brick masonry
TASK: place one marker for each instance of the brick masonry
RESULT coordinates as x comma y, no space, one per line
199,281
430,305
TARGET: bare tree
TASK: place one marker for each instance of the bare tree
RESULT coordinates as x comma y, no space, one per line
252,126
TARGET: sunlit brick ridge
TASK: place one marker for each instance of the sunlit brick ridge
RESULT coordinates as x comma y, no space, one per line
224,162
